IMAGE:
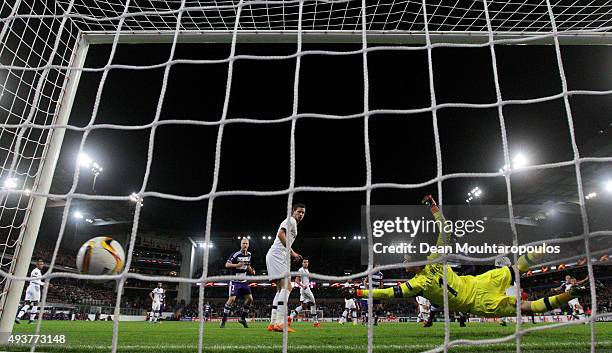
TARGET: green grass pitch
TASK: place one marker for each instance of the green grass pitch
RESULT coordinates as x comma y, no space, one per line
330,337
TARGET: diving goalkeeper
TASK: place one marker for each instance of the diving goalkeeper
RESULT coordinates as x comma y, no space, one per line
483,295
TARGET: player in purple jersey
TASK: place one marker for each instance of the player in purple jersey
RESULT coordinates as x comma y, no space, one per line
240,264
377,282
574,304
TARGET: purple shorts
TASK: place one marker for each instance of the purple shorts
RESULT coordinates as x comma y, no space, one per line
239,289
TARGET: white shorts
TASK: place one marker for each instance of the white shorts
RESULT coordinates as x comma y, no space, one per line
572,303
32,293
276,263
306,295
423,315
156,306
423,309
349,304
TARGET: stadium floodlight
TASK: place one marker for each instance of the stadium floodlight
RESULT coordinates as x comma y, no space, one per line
591,195
334,238
96,167
10,183
475,193
84,160
89,220
518,161
134,197
551,212
608,185
248,237
77,215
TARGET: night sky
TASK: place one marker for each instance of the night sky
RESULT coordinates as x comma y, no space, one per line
328,153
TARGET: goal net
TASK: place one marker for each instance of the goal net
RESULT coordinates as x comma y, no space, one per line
43,50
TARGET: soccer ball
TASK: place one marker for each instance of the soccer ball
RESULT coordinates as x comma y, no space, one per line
100,256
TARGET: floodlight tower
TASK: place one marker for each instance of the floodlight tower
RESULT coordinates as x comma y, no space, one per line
85,161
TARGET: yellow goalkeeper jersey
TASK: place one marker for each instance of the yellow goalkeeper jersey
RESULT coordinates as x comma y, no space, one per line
429,284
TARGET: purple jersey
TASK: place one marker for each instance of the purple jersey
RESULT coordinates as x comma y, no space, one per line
241,271
377,278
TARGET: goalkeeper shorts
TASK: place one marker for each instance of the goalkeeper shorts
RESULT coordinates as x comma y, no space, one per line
491,298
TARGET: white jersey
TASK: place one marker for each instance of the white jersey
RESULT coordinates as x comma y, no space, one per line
36,274
350,304
567,286
290,227
424,308
423,302
304,276
158,295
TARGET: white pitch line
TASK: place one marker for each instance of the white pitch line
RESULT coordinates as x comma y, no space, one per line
347,347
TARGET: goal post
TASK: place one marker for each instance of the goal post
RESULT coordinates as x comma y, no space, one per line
350,37
13,288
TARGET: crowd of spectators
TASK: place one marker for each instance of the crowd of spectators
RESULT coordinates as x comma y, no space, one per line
79,292
169,253
45,251
156,244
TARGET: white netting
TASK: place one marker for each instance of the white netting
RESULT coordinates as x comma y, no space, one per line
388,15
38,55
27,96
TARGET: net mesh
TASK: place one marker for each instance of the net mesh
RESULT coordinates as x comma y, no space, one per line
38,56
388,15
29,94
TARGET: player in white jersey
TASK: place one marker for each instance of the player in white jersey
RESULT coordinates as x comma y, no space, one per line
307,299
424,309
207,311
277,264
574,304
157,296
350,308
32,296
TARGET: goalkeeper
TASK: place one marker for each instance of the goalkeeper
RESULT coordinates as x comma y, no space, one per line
483,295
